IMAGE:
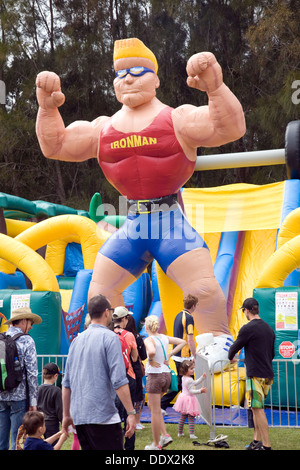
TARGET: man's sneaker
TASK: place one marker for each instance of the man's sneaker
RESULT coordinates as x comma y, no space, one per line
153,447
254,445
163,412
192,436
180,434
165,440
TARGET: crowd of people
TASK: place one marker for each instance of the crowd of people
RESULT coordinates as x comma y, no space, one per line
103,387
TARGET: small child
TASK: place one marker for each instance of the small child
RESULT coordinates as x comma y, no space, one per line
49,399
187,403
34,427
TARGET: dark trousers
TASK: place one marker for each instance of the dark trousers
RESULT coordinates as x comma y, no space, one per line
170,395
129,442
100,436
50,430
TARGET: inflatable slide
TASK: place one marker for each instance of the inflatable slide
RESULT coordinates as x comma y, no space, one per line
244,227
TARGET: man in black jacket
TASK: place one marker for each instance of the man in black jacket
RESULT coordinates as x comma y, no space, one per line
257,338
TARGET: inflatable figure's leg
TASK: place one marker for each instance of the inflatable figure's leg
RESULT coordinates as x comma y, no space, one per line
109,279
193,273
119,262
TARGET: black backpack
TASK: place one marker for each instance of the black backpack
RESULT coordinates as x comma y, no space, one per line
10,369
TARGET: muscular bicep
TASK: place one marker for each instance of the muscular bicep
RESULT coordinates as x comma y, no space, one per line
194,127
76,143
216,124
81,140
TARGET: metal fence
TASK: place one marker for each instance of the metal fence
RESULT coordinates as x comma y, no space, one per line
60,360
224,403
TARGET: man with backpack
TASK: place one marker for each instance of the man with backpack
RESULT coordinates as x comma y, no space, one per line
130,354
19,380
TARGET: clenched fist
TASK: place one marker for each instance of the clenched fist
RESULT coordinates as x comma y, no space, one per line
48,91
204,72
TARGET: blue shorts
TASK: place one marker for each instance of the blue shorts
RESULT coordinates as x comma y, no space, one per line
163,236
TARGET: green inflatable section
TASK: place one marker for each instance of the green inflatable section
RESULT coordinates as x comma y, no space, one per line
280,308
18,207
45,304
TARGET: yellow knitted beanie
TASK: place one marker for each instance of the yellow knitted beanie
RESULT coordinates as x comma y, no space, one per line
133,47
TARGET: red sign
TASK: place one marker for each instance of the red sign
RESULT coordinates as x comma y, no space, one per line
286,349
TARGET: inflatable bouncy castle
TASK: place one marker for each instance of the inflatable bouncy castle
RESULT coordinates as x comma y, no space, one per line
212,243
253,252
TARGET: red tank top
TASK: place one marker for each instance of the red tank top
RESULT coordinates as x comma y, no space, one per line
146,164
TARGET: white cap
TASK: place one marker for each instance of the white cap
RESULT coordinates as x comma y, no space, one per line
121,312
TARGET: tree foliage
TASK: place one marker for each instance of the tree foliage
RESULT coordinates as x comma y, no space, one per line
256,43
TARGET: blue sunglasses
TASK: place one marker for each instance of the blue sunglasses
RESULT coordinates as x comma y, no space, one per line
134,71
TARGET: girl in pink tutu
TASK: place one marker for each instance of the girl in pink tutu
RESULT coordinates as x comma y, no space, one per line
187,403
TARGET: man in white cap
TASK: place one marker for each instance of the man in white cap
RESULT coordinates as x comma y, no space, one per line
15,403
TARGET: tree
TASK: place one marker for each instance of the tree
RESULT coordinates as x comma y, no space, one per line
256,43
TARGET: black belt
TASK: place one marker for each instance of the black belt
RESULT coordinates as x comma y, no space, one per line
146,206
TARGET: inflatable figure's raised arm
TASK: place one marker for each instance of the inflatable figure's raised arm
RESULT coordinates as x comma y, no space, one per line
77,142
218,123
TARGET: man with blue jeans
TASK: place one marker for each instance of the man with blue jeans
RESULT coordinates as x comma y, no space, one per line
94,374
15,403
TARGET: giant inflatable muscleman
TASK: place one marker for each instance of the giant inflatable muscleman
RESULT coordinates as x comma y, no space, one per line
147,151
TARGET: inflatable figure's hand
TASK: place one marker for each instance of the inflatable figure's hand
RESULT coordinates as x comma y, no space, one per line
204,72
48,91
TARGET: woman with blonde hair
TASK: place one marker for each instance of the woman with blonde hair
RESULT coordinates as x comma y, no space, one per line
158,377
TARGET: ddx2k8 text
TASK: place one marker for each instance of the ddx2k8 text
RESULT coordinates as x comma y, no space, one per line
173,459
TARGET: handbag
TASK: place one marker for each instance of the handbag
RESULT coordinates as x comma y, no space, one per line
174,379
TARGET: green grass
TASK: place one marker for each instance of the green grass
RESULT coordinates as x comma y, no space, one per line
238,437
